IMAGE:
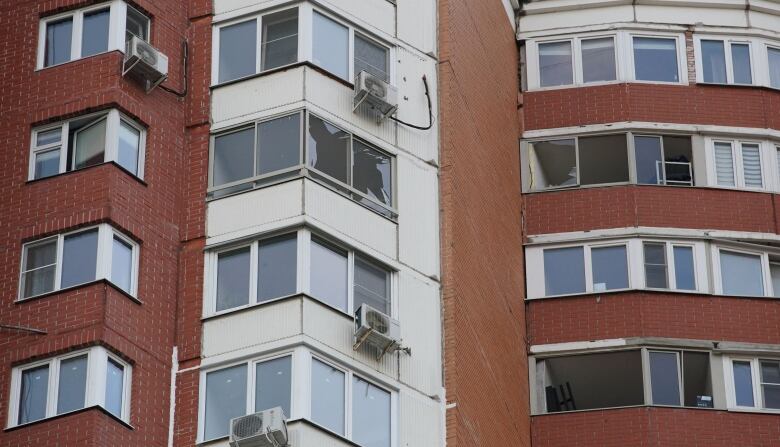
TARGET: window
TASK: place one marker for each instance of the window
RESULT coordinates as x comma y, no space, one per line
136,25
655,59
680,378
660,274
328,388
655,266
94,36
598,59
576,61
663,160
330,45
372,58
580,161
59,385
738,164
565,269
267,269
556,63
774,66
226,396
86,141
279,40
753,383
370,414
270,150
741,273
76,258
610,268
725,61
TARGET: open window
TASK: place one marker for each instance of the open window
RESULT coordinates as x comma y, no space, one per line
663,160
579,161
680,378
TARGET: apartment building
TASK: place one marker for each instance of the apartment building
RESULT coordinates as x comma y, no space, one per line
650,177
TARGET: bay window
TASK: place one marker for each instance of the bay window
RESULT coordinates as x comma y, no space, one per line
60,385
79,257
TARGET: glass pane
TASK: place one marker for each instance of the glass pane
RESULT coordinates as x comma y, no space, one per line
553,164
233,279
115,378
555,64
328,149
330,46
277,264
770,379
740,57
79,258
655,59
774,272
47,163
372,173
684,270
664,378
274,384
121,264
58,39
603,159
610,268
713,55
697,379
129,144
371,58
649,167
72,387
771,396
564,271
372,286
39,268
598,60
237,50
741,274
655,266
90,144
327,396
329,275
137,25
743,384
279,144
751,165
94,38
48,137
774,66
233,156
724,164
370,414
280,39
225,400
33,393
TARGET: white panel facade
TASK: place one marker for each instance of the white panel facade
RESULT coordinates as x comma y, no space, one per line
418,207
240,102
417,24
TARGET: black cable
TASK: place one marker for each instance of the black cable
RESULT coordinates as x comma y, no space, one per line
185,50
430,110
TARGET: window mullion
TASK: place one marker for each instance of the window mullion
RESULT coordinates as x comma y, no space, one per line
588,268
251,386
64,148
52,394
350,282
76,34
348,403
304,261
58,268
253,271
259,43
670,266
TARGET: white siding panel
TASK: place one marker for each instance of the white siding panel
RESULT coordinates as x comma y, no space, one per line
763,20
347,219
577,17
421,331
236,102
418,215
224,6
420,421
253,327
413,106
336,331
690,15
417,24
253,209
304,435
373,15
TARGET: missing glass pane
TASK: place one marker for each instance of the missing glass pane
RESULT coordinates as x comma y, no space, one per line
603,159
328,149
553,164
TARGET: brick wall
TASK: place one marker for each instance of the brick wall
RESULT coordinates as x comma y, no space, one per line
485,360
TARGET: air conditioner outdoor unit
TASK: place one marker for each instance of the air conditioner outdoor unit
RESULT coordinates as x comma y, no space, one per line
375,92
144,63
376,329
264,429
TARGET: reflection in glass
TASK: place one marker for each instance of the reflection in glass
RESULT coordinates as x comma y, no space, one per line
237,50
330,45
655,59
72,387
564,271
94,38
280,39
225,399
327,396
370,414
233,279
58,41
664,378
555,64
273,384
79,258
610,268
329,275
598,60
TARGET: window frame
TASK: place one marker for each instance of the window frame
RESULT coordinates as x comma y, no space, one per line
305,38
148,24
763,255
727,41
774,45
671,268
95,389
759,401
680,47
737,145
587,250
113,117
105,239
578,70
660,137
303,238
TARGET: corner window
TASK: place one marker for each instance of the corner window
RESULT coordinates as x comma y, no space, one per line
79,257
137,24
94,36
330,45
680,378
655,59
372,58
59,385
279,39
87,141
753,383
580,161
274,149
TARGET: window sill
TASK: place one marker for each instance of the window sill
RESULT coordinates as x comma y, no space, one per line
76,287
754,410
70,413
250,307
308,64
601,84
652,291
628,407
115,164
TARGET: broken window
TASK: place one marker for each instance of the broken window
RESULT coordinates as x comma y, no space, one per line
553,164
328,149
603,159
664,160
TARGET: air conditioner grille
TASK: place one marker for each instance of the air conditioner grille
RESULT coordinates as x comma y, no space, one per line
377,322
248,426
146,53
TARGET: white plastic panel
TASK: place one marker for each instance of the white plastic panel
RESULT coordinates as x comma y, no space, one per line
253,327
417,24
420,421
373,15
304,435
574,17
413,106
418,215
345,218
227,6
419,312
242,214
692,14
237,102
763,20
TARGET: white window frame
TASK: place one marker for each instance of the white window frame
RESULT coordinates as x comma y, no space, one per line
106,235
305,36
671,268
758,391
765,60
148,24
662,172
578,74
682,64
116,30
97,364
766,277
111,153
648,376
727,43
303,238
736,156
